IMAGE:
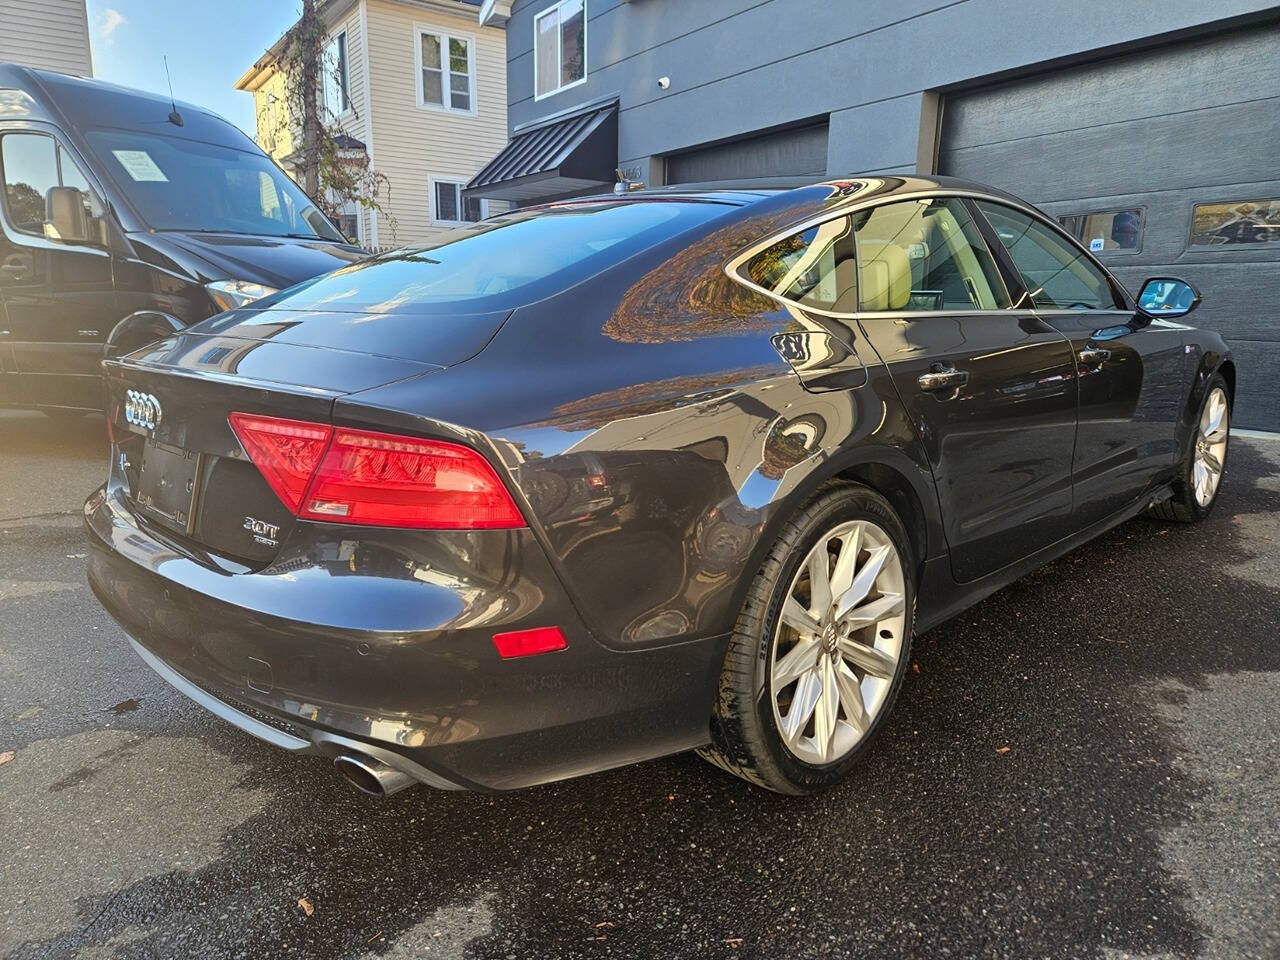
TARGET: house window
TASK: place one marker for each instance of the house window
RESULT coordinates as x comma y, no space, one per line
560,47
1115,231
334,82
449,207
446,72
1235,222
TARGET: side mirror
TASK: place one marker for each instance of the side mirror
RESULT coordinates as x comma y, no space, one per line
65,217
1167,297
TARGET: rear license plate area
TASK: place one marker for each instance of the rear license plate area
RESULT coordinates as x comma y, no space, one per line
167,485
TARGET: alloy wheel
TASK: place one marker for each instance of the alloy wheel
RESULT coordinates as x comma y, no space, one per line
838,642
1211,447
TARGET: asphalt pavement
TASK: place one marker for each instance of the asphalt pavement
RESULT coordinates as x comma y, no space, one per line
1087,764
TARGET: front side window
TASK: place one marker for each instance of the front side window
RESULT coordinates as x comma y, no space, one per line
1115,231
560,47
925,255
1057,274
451,207
814,268
33,164
1236,222
446,75
334,85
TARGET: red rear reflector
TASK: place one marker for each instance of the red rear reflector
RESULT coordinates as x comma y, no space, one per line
391,481
287,452
526,643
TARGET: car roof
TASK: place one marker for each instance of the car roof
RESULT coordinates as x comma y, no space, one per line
855,188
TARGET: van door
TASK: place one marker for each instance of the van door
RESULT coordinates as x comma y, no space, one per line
56,275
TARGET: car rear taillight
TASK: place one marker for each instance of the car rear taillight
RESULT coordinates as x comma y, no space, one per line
286,452
341,475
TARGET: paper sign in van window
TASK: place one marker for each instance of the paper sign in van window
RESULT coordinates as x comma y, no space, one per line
139,165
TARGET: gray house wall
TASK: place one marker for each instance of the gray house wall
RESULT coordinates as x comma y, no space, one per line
738,66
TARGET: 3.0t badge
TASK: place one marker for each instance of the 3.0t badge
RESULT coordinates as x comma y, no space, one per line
264,533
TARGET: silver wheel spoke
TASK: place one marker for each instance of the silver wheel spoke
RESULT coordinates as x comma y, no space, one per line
798,618
851,697
1212,462
846,562
873,661
819,579
874,611
827,711
808,690
863,581
798,660
1216,435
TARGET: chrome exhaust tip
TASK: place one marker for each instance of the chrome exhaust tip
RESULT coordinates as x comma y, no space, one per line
371,776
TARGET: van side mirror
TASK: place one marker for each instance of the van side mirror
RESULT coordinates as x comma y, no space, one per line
1167,297
65,217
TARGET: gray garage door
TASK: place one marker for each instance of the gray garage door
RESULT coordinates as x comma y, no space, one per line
1168,161
783,153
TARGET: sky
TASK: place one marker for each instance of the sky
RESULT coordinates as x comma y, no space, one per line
210,43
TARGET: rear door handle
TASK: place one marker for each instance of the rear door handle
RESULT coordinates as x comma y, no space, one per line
940,377
1093,355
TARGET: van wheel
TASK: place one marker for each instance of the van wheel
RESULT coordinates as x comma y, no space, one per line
1195,488
820,647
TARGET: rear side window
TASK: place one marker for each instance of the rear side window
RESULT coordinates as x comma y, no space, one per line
813,268
925,255
505,260
1057,274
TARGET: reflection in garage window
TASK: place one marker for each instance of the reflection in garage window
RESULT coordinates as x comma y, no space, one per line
1112,231
1227,224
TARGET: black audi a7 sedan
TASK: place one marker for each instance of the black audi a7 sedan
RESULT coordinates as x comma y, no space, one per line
616,477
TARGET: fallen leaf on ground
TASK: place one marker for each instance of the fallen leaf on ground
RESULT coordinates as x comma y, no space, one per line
6,756
915,667
604,923
1004,749
305,904
733,941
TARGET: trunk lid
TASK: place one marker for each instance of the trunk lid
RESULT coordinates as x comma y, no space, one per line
182,467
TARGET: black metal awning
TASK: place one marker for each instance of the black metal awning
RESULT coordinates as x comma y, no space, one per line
566,155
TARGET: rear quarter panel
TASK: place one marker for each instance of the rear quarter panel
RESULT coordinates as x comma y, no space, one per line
656,436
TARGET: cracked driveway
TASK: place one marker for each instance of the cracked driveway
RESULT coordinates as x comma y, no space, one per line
1136,812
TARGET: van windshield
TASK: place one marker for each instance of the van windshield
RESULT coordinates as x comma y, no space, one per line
178,184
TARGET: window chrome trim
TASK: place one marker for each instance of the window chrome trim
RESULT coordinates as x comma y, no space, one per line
856,205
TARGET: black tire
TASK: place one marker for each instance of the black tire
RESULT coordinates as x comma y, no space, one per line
745,738
1183,507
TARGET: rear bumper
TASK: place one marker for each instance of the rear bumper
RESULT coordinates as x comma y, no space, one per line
381,641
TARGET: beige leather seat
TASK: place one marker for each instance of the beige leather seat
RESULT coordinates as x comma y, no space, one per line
884,276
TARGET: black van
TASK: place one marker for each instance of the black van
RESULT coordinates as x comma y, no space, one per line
125,217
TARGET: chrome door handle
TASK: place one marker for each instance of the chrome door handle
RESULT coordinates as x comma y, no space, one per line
943,378
1093,355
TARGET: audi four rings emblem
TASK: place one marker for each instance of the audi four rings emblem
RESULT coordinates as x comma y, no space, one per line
141,409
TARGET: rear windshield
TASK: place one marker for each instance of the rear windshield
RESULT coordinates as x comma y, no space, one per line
503,261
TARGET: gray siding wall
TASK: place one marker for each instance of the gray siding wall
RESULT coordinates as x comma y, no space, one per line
738,66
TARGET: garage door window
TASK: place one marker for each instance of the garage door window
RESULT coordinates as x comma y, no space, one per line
925,255
1058,275
1115,231
1230,224
814,268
